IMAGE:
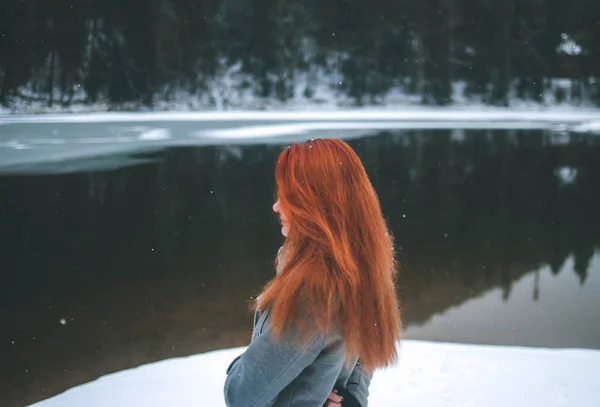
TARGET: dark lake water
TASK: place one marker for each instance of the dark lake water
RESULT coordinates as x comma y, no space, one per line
498,234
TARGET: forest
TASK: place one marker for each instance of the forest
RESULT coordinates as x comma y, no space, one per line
62,52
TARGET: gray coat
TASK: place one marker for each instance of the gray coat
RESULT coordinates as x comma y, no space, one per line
283,373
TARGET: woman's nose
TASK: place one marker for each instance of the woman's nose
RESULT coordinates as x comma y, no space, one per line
276,206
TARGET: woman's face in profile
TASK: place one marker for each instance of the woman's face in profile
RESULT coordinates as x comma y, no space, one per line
285,227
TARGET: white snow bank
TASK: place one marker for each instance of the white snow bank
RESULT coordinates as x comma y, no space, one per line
316,89
428,375
155,134
589,127
278,130
417,114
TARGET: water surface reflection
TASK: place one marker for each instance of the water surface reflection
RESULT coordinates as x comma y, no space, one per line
106,270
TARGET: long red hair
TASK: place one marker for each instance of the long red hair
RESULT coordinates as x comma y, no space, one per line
338,266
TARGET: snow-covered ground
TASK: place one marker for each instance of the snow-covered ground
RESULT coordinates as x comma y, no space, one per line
33,140
429,375
320,89
592,126
416,114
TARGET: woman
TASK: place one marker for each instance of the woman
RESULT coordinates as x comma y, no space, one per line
330,315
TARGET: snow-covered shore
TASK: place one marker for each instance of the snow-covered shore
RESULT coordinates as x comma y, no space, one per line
408,114
27,140
429,374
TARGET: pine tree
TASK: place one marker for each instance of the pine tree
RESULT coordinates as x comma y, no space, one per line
138,50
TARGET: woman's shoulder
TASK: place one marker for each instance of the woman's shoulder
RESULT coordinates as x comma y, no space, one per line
299,330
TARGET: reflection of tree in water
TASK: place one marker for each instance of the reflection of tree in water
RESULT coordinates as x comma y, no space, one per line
489,206
160,260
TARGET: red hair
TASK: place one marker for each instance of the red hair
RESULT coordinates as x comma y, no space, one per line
338,266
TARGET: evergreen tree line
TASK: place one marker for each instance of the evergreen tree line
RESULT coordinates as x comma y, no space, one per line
145,50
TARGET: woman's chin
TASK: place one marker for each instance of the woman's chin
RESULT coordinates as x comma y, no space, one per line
284,230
